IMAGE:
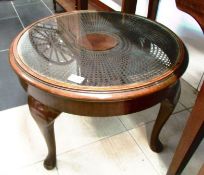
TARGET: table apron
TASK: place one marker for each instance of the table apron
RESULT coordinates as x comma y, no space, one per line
95,108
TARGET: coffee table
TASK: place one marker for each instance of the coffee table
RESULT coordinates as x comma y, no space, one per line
98,64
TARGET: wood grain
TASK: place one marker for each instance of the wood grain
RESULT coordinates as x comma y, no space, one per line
194,130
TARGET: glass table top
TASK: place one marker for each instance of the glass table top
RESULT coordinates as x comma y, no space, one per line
98,49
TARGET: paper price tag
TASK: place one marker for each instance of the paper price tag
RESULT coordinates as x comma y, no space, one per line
76,79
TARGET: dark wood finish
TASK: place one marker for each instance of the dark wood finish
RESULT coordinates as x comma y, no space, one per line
55,5
82,4
68,5
167,107
44,117
129,6
195,8
47,100
194,129
97,42
191,138
152,9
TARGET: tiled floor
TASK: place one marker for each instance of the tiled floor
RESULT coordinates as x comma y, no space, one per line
14,16
85,146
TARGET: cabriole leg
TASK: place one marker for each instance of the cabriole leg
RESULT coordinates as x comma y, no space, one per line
44,117
55,5
167,107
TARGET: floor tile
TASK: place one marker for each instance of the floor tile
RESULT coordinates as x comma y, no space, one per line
11,93
23,2
6,10
49,4
82,130
188,94
21,142
116,155
169,136
8,30
179,107
36,169
39,11
131,121
140,118
195,162
190,109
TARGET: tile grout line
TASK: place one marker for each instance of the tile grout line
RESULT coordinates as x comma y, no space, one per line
10,17
91,143
183,105
140,125
122,123
185,108
73,149
10,108
128,130
47,7
200,82
195,91
88,144
18,15
144,153
189,109
29,165
4,50
57,170
176,112
145,124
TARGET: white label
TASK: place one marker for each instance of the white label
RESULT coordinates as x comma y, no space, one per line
76,79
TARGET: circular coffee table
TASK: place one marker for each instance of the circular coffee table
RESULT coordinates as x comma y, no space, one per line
98,64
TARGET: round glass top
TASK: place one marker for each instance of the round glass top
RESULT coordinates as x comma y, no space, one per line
98,49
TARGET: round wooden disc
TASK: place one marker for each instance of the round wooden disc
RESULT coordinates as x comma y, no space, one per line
97,42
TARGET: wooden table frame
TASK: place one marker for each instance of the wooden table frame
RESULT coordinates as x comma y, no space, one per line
46,100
